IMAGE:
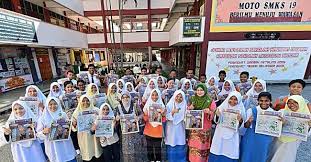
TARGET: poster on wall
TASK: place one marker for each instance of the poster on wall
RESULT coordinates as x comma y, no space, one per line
257,15
192,27
11,83
268,60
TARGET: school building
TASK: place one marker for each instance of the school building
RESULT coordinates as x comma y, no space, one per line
38,38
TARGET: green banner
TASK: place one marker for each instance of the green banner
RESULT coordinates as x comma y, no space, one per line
192,27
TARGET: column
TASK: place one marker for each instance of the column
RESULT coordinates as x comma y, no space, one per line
52,62
35,60
46,13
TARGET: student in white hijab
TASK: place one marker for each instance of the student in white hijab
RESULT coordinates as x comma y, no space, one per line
23,151
110,144
175,137
251,98
152,84
153,130
212,87
34,91
57,151
55,90
161,82
227,88
89,144
120,86
226,142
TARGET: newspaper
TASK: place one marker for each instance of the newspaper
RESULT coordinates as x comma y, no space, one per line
269,123
194,119
296,125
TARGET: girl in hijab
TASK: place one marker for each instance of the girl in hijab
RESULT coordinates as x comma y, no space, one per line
252,95
34,91
153,131
93,92
226,142
256,147
227,88
121,86
161,83
130,89
23,151
212,87
113,98
285,149
141,87
55,90
200,140
90,147
110,144
57,151
168,93
131,143
186,87
175,137
152,84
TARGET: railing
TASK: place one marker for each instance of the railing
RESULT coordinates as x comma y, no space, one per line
33,10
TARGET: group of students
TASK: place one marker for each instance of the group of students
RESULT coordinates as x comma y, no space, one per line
213,97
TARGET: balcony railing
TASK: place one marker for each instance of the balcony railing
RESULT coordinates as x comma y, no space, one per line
33,10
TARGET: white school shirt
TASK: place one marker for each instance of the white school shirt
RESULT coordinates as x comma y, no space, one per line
96,80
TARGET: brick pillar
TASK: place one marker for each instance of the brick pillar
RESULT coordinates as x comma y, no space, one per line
66,20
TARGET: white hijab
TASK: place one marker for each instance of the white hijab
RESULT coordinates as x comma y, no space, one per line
226,132
111,114
252,92
132,86
150,102
55,94
48,117
40,95
184,84
148,89
225,92
118,88
28,114
215,81
178,117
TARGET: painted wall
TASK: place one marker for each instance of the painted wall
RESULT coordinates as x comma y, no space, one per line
75,5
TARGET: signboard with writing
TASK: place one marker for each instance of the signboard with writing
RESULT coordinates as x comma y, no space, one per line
192,27
268,59
256,15
15,29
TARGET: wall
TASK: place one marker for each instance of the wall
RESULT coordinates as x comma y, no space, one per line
92,5
75,5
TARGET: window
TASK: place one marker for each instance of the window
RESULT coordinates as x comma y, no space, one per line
40,10
27,5
34,8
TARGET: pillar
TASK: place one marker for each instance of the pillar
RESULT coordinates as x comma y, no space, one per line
46,13
35,60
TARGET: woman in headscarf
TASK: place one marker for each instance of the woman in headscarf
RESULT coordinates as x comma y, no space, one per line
113,97
226,142
130,89
161,83
57,151
200,140
90,147
285,149
93,92
168,93
152,84
131,143
186,87
153,130
55,90
120,86
175,137
110,144
141,87
251,98
23,151
34,91
212,87
226,88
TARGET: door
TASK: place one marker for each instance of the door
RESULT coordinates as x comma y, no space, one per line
45,67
